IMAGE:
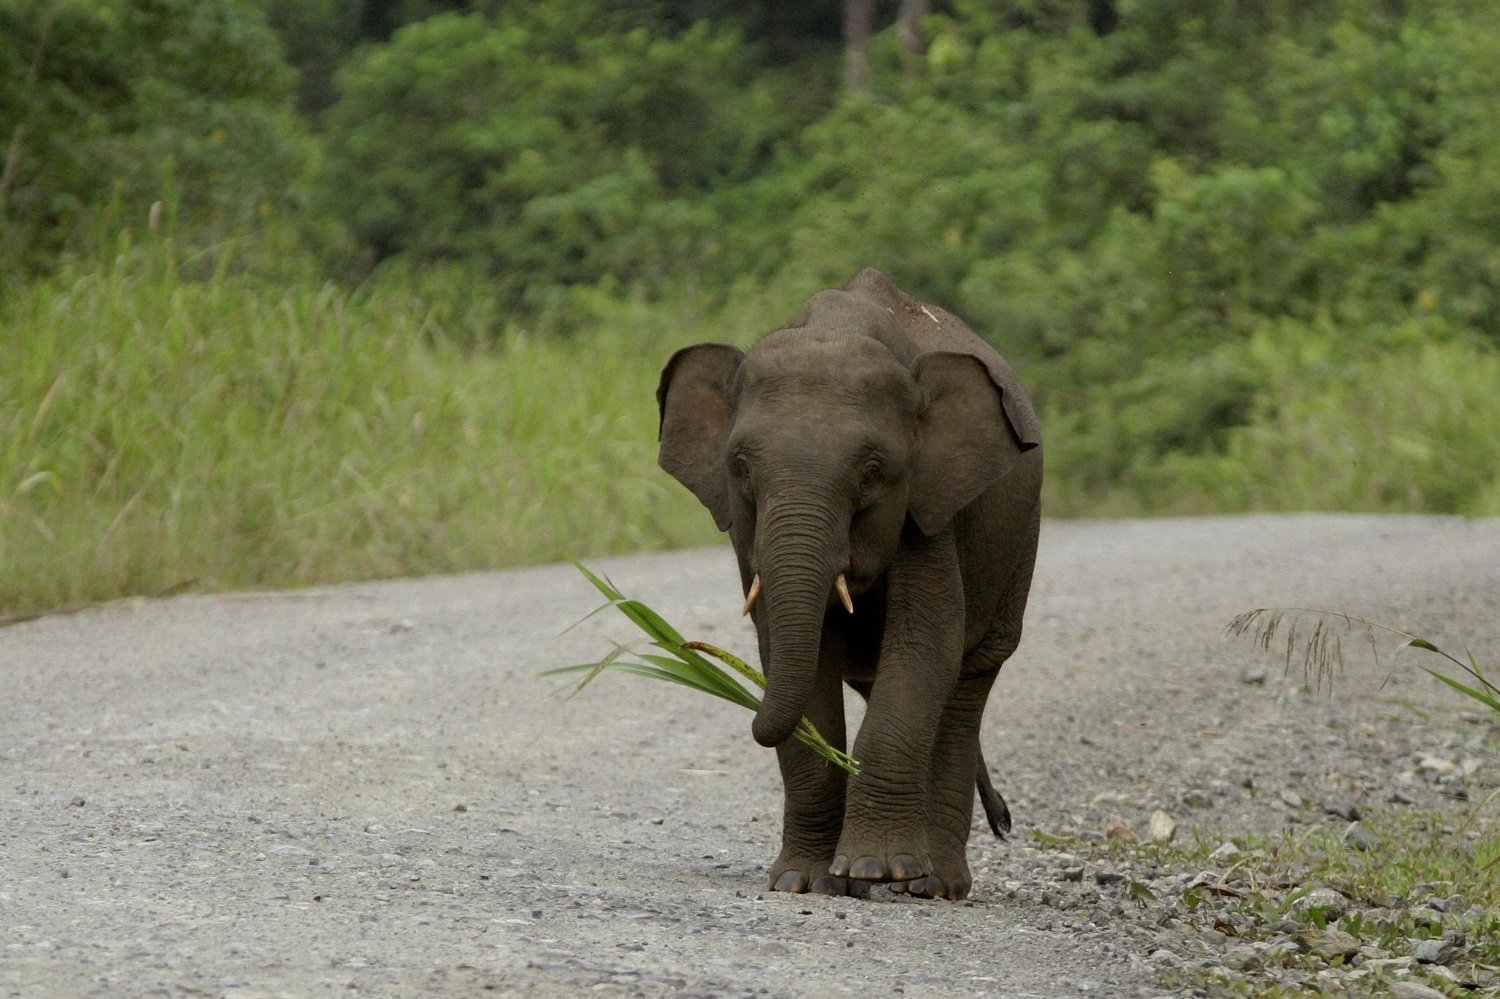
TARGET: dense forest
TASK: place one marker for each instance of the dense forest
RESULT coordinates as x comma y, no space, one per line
1247,252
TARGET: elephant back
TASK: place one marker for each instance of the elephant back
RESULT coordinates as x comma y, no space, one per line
932,328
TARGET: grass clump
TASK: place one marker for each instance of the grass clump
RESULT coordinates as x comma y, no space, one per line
1314,912
685,664
158,432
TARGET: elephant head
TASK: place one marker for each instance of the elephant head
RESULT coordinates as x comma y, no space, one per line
815,451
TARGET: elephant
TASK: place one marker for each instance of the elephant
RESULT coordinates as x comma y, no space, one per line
878,468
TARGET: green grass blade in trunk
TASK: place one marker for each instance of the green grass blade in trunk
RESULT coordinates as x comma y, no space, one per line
684,664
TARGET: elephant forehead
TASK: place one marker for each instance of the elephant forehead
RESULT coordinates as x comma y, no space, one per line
831,369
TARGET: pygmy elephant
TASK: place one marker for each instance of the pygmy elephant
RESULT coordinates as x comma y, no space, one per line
878,468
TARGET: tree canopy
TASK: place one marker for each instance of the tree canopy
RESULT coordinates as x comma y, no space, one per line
1129,196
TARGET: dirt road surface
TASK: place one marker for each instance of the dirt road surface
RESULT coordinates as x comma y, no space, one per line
366,790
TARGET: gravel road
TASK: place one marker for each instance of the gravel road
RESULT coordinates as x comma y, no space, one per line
366,790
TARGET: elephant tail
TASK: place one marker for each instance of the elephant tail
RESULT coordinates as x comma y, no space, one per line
995,809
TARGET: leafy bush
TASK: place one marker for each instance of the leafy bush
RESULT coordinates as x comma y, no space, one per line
125,102
548,156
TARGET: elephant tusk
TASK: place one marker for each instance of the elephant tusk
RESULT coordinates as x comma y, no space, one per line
754,595
843,588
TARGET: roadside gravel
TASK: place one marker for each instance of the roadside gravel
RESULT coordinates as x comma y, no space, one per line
366,790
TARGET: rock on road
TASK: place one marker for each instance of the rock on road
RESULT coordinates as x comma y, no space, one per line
366,790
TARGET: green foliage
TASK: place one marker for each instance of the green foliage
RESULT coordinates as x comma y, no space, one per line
156,431
115,104
1245,254
685,663
547,157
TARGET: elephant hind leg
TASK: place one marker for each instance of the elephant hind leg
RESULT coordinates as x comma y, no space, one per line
996,812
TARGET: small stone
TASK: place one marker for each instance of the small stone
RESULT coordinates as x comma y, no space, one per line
1436,767
1072,873
1197,799
1242,957
1360,837
1119,832
1333,903
287,850
1343,810
77,802
1108,877
460,808
1440,950
1254,677
1456,903
1290,798
1225,851
1161,827
1399,798
1413,990
1328,944
1426,917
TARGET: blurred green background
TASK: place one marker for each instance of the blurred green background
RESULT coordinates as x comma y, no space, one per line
295,291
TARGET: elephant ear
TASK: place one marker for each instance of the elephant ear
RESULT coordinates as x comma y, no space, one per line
695,419
967,438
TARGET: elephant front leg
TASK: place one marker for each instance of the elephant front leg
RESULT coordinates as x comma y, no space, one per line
950,793
814,804
885,836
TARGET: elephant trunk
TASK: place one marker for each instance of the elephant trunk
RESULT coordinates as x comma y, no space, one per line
798,561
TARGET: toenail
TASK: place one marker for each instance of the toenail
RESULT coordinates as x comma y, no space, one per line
905,867
827,885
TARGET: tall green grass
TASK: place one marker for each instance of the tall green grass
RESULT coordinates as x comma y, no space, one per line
1411,426
157,432
169,422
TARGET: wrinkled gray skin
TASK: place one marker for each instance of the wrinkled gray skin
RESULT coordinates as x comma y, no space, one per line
880,438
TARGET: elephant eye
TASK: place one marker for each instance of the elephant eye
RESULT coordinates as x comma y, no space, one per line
742,468
870,476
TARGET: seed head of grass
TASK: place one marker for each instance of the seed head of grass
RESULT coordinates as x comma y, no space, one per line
1322,652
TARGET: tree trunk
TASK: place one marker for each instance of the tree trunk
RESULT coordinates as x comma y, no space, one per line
859,16
910,33
12,167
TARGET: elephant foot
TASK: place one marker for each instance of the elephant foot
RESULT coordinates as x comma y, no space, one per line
950,877
898,867
934,886
797,878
